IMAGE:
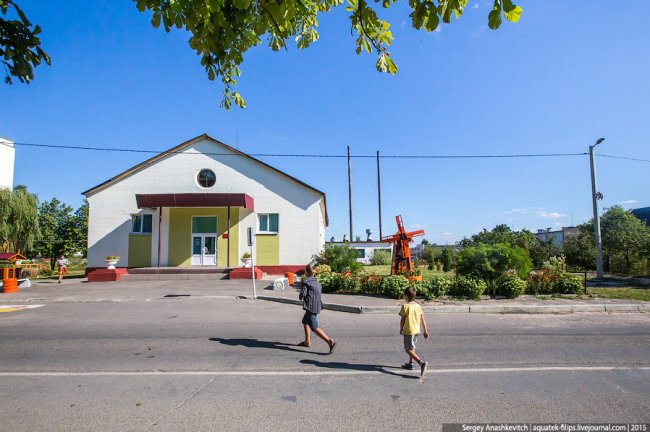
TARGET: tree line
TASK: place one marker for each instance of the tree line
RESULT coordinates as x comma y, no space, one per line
47,229
625,243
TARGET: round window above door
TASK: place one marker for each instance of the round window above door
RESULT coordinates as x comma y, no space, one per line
206,178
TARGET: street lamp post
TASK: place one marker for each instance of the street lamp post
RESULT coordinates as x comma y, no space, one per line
595,196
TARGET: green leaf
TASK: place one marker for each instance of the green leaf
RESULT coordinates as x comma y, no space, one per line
514,14
432,22
241,4
155,19
494,18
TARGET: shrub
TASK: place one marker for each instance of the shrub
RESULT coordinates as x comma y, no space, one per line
340,258
429,254
371,284
28,273
447,259
490,262
46,272
322,268
380,257
543,281
470,287
569,284
331,282
350,284
436,286
393,286
511,286
539,283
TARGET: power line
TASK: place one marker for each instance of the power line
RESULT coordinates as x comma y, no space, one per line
624,158
298,155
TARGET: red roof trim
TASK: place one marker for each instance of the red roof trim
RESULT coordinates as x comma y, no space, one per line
11,255
195,200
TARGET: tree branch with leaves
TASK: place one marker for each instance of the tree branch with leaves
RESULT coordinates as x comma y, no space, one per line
223,31
20,47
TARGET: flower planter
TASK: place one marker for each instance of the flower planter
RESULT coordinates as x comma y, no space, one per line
111,264
247,262
414,278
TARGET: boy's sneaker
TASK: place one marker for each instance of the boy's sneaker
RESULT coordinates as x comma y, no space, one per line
408,366
423,369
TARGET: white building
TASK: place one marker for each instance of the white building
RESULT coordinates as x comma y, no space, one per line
557,237
192,206
7,159
365,249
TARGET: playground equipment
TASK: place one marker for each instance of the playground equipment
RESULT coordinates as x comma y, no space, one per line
10,266
401,263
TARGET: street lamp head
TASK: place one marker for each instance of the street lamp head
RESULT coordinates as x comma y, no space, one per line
598,141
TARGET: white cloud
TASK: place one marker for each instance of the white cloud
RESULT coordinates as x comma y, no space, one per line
630,201
550,215
475,6
447,234
536,211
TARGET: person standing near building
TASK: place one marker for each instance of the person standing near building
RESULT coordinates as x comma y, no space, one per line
63,266
310,294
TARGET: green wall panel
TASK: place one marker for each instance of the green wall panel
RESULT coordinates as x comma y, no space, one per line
267,249
180,235
139,250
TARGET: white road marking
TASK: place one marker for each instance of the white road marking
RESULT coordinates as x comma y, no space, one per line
319,373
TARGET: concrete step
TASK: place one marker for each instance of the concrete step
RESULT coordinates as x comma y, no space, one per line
180,270
180,276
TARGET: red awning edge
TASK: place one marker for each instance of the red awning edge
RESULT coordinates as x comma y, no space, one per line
195,200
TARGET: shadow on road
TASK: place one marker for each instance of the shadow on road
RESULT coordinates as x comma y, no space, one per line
256,343
359,367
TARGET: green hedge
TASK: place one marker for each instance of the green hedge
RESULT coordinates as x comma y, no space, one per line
436,286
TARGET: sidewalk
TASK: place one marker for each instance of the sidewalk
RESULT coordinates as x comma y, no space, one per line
80,291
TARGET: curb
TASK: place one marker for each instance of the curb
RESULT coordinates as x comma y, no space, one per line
478,309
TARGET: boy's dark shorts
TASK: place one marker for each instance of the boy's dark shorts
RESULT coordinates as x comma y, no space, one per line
310,319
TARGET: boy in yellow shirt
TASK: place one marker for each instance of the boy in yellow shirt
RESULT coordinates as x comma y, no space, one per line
409,327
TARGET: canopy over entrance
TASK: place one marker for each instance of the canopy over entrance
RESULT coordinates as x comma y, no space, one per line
195,200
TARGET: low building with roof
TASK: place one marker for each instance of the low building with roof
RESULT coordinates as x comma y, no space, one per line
191,206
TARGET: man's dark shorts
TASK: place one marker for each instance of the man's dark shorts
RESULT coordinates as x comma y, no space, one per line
310,319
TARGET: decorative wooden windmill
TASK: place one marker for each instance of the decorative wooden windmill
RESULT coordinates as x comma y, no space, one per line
401,262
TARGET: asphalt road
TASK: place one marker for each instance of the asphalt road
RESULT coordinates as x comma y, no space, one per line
226,364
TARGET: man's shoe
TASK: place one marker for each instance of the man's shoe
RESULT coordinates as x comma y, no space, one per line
423,369
408,366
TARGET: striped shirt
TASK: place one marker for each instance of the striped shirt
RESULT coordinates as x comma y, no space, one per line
310,294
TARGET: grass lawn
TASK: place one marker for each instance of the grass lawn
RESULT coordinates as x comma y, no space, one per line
76,269
642,294
385,270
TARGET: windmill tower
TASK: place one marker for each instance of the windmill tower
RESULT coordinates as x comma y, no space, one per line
7,157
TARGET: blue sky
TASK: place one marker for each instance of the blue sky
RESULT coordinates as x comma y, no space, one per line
562,77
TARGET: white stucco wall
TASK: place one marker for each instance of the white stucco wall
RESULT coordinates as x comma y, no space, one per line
301,222
7,159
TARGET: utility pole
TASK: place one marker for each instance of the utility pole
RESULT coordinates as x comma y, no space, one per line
379,195
350,191
595,196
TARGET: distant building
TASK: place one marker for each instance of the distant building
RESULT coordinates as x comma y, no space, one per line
643,214
558,236
365,249
7,158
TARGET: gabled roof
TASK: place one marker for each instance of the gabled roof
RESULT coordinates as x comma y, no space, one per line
190,142
11,256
